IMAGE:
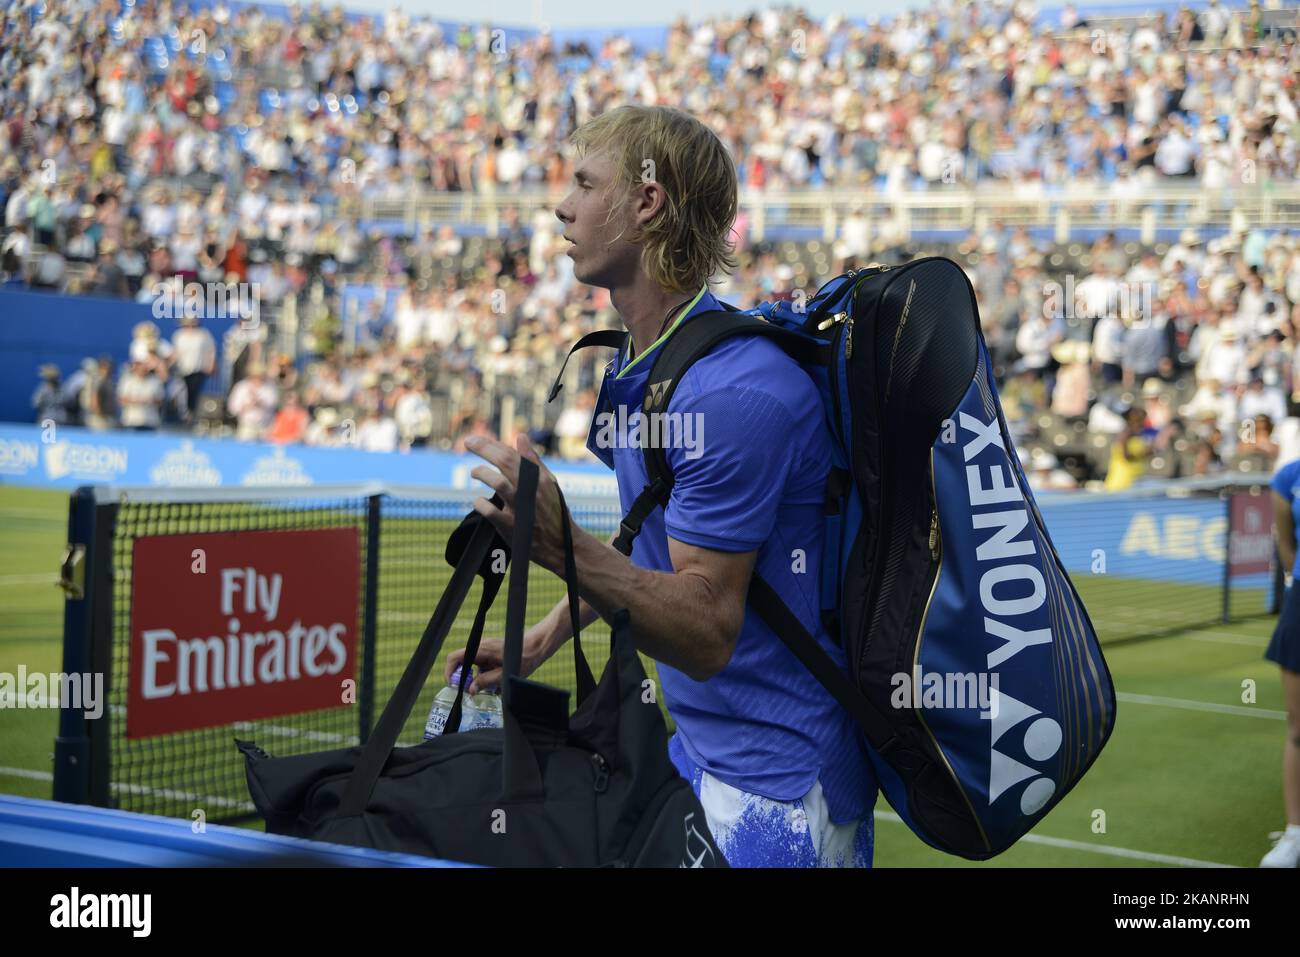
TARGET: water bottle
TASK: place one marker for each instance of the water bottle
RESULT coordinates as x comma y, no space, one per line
442,706
487,709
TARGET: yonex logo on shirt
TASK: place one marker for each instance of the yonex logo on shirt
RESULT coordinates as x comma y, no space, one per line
655,393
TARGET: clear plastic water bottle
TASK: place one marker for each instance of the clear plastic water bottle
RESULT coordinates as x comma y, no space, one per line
442,706
487,709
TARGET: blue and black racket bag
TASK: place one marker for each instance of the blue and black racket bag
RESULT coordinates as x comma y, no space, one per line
974,670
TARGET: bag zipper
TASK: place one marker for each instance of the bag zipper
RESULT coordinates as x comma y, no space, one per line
601,783
935,549
845,319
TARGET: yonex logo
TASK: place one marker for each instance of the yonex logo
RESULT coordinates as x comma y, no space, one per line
1005,525
655,393
1009,592
1042,740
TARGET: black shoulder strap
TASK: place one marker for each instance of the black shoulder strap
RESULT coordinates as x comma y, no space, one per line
601,337
692,341
786,625
696,339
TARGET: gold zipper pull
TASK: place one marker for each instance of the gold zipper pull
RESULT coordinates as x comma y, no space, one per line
934,534
827,323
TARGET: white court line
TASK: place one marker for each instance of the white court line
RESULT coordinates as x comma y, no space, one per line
1186,705
199,800
1222,630
37,703
1140,614
25,773
1222,638
1093,848
43,579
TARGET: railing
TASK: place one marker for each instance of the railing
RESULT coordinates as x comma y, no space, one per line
1147,208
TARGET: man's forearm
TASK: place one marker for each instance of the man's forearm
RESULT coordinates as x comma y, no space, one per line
675,617
558,626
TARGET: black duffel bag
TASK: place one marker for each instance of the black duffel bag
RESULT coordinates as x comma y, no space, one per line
593,789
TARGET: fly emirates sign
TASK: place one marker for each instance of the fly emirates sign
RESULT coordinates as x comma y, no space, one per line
235,626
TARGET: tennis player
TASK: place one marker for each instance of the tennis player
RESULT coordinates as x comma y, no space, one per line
1284,648
777,764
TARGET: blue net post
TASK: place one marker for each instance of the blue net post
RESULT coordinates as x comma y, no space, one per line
81,747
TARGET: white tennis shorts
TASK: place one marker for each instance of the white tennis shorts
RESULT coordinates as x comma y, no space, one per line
755,831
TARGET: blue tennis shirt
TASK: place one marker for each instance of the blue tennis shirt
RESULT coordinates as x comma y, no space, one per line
750,463
1286,482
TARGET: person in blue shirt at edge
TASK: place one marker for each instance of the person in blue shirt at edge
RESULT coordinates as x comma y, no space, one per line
1284,650
778,765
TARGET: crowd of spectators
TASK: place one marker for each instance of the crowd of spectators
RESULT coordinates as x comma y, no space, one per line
1183,358
1180,362
148,144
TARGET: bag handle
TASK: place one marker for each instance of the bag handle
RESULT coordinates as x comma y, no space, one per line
491,585
389,727
521,776
517,595
586,680
521,548
475,560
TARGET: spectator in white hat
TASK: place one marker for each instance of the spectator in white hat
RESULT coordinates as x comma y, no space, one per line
252,402
196,359
140,396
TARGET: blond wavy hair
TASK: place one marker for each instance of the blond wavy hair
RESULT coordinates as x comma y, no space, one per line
689,242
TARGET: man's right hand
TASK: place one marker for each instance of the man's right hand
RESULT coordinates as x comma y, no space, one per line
490,659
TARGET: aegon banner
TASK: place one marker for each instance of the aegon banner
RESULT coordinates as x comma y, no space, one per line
66,457
235,626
